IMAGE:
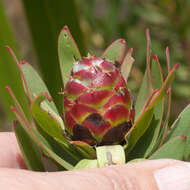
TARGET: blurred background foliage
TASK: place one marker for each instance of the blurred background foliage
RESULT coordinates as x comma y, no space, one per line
31,28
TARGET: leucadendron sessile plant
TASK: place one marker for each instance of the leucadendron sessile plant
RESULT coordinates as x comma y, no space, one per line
100,124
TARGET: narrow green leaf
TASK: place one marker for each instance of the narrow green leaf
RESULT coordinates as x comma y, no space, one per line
173,149
45,119
139,128
86,150
116,51
147,142
144,92
9,73
143,121
40,140
181,127
158,97
45,25
17,104
33,84
51,125
144,144
62,150
164,129
107,155
86,164
30,151
147,86
68,53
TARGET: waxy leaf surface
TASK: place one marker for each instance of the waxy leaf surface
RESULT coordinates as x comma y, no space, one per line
116,51
173,149
40,140
86,150
68,53
30,151
45,120
33,84
182,127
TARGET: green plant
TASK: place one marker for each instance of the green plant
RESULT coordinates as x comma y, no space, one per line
148,135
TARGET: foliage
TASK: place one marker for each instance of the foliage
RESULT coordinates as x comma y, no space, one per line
148,138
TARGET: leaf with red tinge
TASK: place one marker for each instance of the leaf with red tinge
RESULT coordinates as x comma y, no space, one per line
147,142
86,150
40,140
116,51
164,87
50,124
33,84
30,151
68,53
182,127
46,119
144,92
138,129
147,85
143,121
173,149
17,104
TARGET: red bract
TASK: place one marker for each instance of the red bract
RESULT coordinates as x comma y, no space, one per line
97,102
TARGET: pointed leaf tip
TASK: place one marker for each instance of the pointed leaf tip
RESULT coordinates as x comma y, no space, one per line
184,137
123,41
65,27
116,51
23,62
147,32
68,53
13,55
13,108
176,66
130,51
169,90
7,88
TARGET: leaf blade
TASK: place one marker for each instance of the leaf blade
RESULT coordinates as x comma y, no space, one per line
68,53
181,127
173,149
31,153
116,51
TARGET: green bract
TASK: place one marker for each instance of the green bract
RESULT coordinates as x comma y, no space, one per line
148,135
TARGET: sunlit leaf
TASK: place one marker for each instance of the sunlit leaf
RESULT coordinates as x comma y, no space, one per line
45,119
86,150
173,149
68,53
116,51
181,127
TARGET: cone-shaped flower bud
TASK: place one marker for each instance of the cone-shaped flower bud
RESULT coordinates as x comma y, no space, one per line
97,102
